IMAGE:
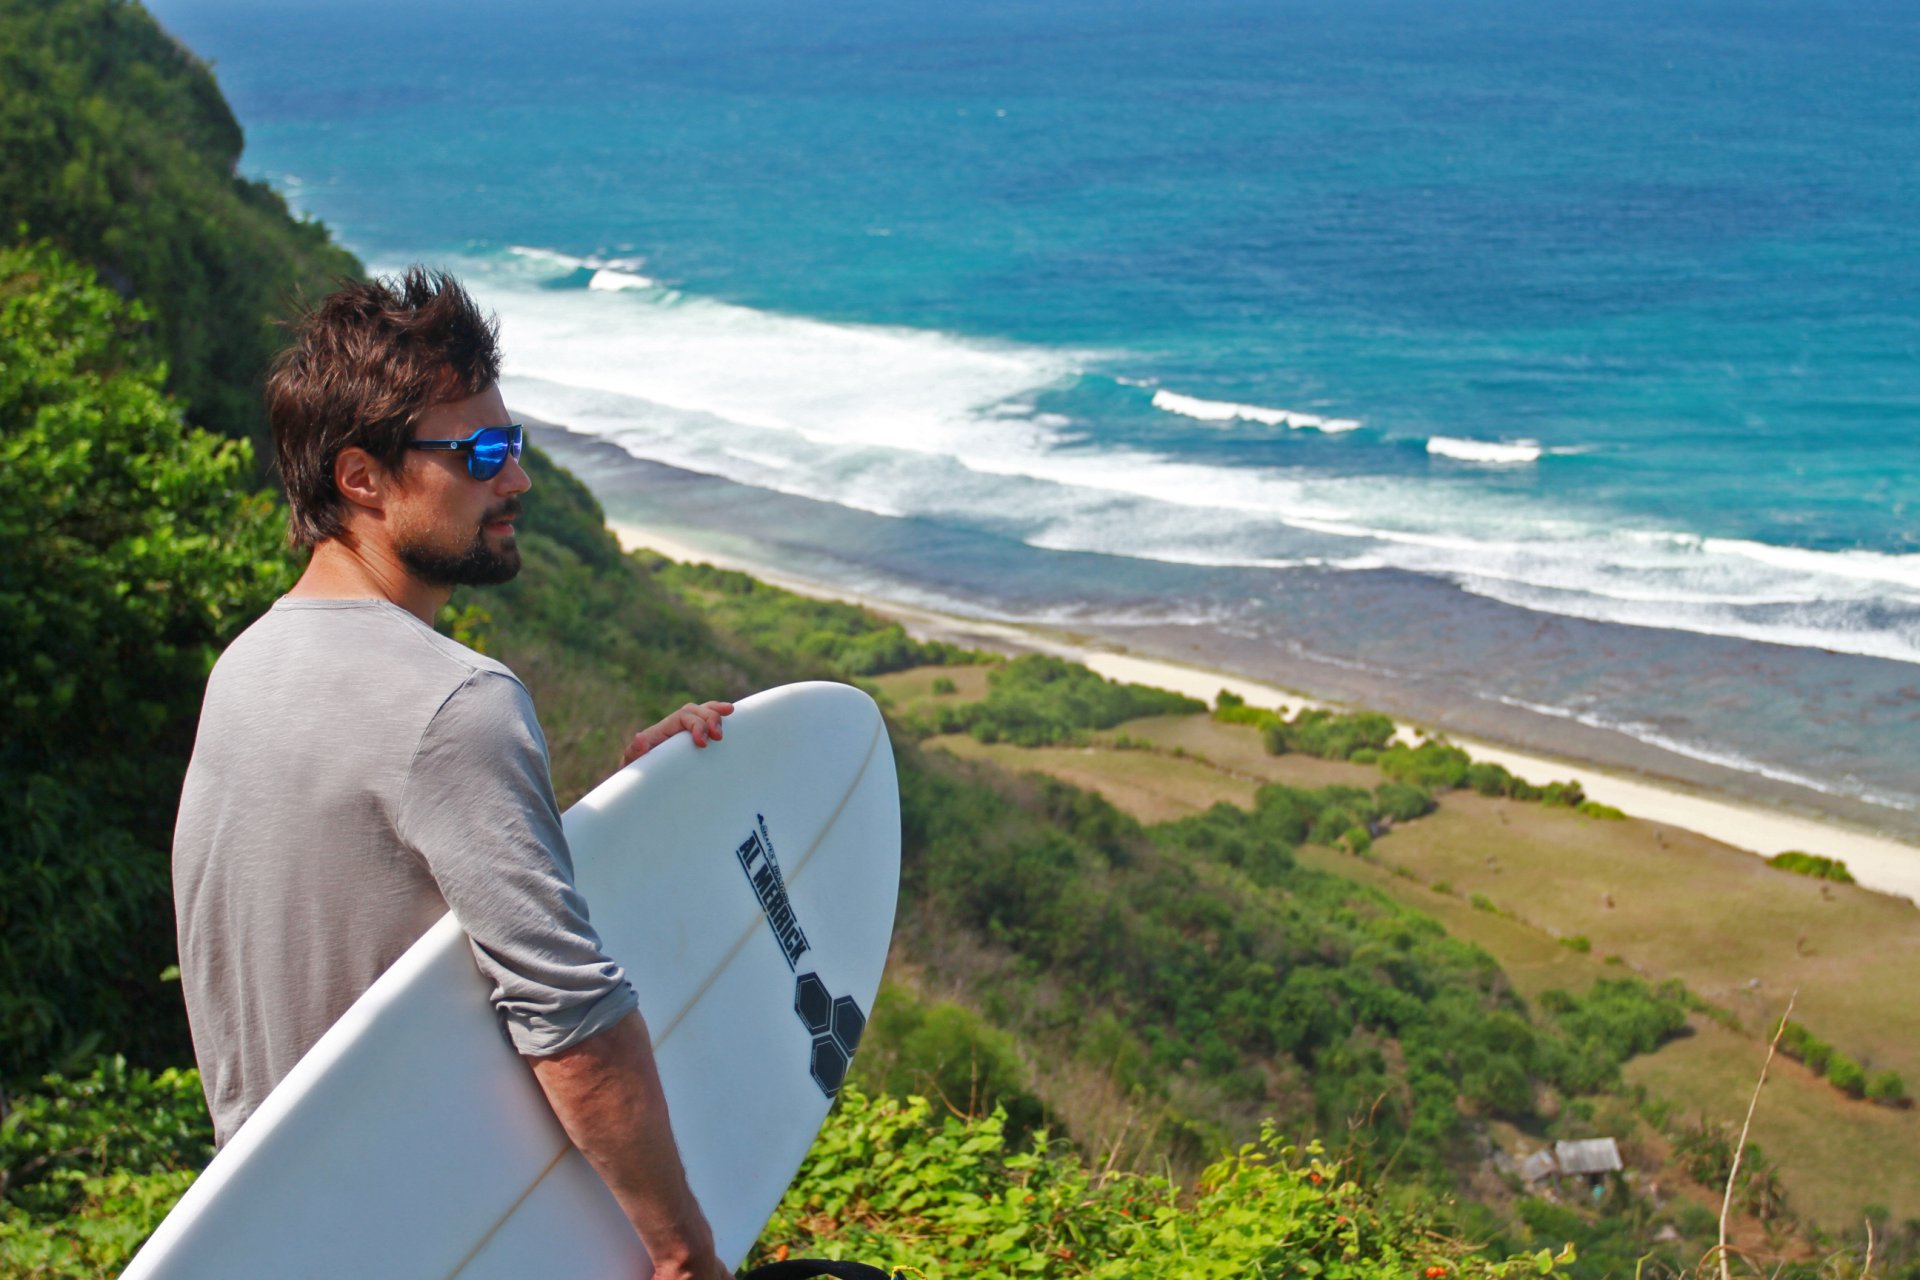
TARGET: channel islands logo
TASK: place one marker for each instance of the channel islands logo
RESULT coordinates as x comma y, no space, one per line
834,1022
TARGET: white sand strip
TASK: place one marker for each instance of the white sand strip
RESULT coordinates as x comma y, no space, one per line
1877,862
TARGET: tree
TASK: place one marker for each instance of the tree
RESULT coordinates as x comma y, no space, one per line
135,548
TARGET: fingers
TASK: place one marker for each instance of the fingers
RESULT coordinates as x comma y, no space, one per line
702,721
699,721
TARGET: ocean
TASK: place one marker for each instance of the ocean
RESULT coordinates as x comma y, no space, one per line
1546,372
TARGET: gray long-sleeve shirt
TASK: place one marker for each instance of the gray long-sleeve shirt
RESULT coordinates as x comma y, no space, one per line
355,776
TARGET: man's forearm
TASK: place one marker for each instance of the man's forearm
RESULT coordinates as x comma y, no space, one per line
606,1092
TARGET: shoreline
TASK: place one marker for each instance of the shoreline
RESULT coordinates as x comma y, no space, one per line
1877,862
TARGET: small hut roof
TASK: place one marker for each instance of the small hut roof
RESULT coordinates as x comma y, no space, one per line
1589,1155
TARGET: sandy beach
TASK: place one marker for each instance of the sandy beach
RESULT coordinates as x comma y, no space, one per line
1877,862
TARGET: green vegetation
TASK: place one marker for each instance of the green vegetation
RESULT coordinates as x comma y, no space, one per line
1842,1072
953,1198
839,639
89,1166
120,150
1195,974
1367,737
941,1050
1036,700
135,550
1812,864
1213,955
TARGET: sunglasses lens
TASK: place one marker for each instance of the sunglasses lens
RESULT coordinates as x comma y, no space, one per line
490,453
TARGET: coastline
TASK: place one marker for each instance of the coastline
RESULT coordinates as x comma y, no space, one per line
1877,862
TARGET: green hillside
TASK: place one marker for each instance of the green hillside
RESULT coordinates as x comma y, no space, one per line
120,150
1186,1046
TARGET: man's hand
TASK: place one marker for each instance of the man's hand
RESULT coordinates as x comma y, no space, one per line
700,721
606,1092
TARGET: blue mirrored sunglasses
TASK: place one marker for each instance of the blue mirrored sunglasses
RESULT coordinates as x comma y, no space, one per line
487,449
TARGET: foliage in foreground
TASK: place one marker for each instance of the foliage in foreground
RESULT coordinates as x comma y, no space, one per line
89,1166
135,549
887,1185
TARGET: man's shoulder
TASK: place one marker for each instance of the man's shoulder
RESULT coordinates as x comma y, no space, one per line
307,639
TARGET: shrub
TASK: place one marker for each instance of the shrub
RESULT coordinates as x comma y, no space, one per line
1811,864
1578,942
1038,700
1605,812
951,1197
1489,779
92,1163
1402,802
1565,794
135,549
1886,1087
1435,765
1846,1075
943,686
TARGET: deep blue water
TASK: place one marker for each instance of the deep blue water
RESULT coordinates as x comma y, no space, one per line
1248,318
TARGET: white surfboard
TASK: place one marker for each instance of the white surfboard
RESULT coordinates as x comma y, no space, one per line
749,890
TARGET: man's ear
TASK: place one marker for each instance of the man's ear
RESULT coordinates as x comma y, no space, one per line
360,478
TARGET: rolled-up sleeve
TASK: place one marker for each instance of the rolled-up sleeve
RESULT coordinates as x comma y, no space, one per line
478,808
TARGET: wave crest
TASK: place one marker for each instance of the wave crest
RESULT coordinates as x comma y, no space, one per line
1227,411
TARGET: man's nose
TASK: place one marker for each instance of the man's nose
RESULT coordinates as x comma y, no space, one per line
513,479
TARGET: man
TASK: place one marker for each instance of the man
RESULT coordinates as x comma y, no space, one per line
357,774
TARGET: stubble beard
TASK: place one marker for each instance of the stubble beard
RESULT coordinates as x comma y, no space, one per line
475,565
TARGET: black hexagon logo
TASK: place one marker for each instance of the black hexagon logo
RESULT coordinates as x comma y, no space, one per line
848,1023
813,1002
829,1065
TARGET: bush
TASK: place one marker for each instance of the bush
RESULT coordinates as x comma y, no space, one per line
944,686
888,1183
1887,1088
1810,864
1490,779
938,1049
1038,700
1434,765
135,549
91,1164
827,636
1403,802
1846,1075
1605,812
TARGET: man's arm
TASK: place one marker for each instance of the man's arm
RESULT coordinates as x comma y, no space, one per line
606,1092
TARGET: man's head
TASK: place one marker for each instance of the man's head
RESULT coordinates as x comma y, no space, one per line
373,368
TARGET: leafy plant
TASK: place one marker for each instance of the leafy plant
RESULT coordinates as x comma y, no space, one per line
136,548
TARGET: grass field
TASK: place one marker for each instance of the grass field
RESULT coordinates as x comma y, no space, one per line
1657,901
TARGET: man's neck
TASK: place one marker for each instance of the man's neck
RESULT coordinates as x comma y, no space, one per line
343,571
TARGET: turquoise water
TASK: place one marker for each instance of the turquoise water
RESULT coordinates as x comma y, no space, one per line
1550,364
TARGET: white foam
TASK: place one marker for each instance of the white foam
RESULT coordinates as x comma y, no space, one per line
901,422
611,280
1226,411
1487,452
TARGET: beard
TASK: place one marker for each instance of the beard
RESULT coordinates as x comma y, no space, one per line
474,565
